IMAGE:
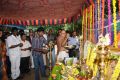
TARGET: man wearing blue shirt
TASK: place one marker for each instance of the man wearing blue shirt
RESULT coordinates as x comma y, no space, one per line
73,40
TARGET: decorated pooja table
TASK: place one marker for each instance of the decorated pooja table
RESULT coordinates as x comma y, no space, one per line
102,63
70,71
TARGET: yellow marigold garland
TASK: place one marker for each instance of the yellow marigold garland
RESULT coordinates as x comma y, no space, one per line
90,59
88,56
90,22
115,24
95,70
116,72
98,2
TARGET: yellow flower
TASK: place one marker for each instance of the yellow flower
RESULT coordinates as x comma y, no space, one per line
116,71
70,78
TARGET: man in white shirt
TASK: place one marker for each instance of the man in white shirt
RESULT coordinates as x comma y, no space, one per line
25,54
75,42
14,53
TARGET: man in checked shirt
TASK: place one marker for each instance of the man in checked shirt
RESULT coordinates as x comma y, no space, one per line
37,47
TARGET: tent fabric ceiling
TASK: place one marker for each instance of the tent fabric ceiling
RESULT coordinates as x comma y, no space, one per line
39,9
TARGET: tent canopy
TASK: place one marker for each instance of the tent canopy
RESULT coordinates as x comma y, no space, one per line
40,9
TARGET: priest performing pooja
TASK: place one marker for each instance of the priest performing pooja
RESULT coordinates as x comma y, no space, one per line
60,40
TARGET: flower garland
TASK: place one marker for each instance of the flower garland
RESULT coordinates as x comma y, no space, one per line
109,18
116,71
115,24
96,25
103,6
86,22
93,23
83,23
98,4
84,26
88,56
119,6
90,22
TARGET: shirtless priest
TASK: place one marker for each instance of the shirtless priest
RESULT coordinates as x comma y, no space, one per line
61,43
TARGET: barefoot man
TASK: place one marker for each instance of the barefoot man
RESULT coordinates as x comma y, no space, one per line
61,42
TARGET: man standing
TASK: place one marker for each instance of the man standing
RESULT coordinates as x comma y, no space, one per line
37,51
3,75
14,53
73,40
61,43
29,38
25,54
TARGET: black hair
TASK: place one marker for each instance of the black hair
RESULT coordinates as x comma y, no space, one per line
40,29
14,29
1,29
22,34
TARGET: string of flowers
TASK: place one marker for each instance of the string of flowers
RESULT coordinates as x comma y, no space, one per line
114,22
119,6
116,71
86,21
98,4
96,25
83,23
109,18
93,22
103,6
90,59
90,22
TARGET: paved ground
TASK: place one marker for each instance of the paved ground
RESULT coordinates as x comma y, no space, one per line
30,76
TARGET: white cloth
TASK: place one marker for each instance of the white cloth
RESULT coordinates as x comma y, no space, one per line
62,55
45,36
44,55
26,53
14,55
86,46
15,65
32,62
73,41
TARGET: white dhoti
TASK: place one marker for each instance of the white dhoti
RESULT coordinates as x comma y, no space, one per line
62,55
15,64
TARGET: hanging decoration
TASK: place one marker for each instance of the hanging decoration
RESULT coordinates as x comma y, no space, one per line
88,31
96,24
119,6
90,22
37,21
85,26
83,23
116,71
98,4
109,18
86,23
103,6
114,22
93,23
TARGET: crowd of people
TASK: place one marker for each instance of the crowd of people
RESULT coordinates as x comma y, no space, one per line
19,52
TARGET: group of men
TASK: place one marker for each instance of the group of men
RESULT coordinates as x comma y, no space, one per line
23,50
20,48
